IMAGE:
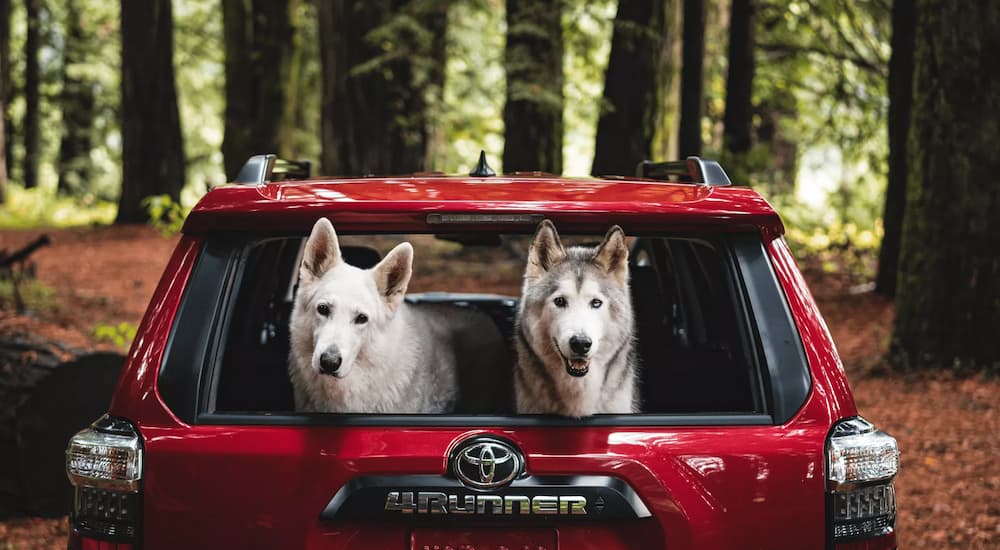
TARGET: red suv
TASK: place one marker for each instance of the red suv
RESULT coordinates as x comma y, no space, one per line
747,435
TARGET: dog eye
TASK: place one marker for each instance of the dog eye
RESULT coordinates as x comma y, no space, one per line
596,303
323,309
559,301
361,319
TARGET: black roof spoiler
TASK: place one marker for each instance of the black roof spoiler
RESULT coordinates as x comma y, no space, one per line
690,170
264,168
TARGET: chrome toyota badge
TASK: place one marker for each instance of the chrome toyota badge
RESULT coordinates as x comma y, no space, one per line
486,463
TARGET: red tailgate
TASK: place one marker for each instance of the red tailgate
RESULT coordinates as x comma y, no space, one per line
210,486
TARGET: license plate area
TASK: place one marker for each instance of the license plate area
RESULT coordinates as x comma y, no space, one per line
484,539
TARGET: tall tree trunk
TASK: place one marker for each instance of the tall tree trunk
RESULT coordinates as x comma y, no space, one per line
948,299
152,150
738,118
3,162
31,93
259,48
533,113
78,106
375,108
4,95
437,24
900,102
634,86
294,82
692,78
782,152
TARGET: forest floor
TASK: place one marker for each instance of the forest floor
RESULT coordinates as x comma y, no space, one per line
947,425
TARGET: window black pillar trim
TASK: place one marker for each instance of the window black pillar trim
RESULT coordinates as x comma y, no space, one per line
787,366
193,329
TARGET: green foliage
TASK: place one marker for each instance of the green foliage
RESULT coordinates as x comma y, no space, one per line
301,124
199,57
587,28
471,115
35,295
121,335
166,215
41,207
821,67
822,241
98,65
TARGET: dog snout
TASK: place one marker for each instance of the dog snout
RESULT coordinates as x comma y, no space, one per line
580,344
329,362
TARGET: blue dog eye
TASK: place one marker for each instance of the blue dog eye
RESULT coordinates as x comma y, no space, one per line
596,303
323,309
559,301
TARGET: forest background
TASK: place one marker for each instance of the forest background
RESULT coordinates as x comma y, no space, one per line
871,125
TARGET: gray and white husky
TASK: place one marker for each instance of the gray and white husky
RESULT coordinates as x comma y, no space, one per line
574,333
357,346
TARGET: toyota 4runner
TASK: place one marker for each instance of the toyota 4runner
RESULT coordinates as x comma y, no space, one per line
748,436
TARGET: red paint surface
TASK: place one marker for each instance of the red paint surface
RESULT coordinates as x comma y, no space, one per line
484,539
264,486
402,204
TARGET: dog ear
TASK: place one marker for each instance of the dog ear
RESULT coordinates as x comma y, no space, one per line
392,274
612,255
546,250
322,251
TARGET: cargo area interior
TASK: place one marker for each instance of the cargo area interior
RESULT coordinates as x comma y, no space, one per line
695,344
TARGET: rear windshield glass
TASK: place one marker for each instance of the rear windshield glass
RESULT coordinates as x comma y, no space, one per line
436,330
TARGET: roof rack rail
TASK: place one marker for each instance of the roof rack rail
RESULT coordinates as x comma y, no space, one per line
690,170
260,169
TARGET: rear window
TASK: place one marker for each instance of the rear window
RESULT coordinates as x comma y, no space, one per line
696,334
692,341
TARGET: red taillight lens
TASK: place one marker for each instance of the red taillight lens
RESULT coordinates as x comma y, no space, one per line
861,500
877,543
78,542
104,464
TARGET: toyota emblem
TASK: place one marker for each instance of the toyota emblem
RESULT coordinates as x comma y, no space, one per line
486,463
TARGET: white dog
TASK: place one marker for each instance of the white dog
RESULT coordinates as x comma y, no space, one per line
357,346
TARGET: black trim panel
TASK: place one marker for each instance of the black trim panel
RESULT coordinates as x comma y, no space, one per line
777,334
365,498
192,332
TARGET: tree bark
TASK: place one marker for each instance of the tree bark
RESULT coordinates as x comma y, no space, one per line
259,48
31,93
375,101
635,85
533,113
78,107
900,102
948,298
692,78
738,118
4,95
152,149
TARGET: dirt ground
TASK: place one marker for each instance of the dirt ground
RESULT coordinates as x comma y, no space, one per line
947,426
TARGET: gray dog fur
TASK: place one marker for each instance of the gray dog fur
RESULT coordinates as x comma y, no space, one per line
578,292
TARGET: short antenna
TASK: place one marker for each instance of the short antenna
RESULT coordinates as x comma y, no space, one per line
482,170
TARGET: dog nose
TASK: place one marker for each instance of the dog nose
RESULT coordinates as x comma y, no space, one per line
580,345
329,362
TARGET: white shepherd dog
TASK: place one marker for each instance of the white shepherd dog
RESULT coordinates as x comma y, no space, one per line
358,347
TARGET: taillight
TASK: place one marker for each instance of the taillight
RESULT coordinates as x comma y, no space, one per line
861,463
104,464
